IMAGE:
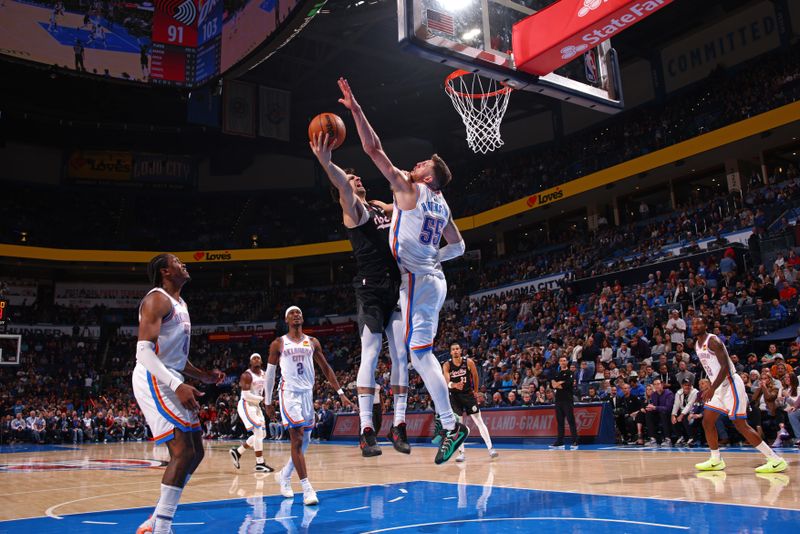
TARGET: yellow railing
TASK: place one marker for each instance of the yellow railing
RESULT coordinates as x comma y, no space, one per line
696,145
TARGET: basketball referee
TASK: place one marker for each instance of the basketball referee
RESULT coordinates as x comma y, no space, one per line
564,384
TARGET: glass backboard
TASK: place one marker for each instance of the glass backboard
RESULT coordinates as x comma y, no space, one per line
475,35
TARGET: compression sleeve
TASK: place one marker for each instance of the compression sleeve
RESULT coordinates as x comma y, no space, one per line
452,251
146,355
270,386
251,397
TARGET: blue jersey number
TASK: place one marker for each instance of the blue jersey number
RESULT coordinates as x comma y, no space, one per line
186,346
431,232
300,368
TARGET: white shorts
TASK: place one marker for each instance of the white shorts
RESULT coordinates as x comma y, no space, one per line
730,398
161,408
251,415
297,408
421,299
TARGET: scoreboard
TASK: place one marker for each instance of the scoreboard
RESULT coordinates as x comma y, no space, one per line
186,40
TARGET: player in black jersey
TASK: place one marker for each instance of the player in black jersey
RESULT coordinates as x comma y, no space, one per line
461,375
377,286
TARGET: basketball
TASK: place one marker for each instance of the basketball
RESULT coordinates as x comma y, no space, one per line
328,123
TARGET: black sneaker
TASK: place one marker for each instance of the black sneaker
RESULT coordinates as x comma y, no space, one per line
558,446
263,468
235,456
437,430
369,444
398,437
451,442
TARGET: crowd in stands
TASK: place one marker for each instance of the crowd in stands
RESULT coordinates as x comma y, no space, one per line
262,219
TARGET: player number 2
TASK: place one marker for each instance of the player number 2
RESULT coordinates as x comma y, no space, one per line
300,368
431,232
175,34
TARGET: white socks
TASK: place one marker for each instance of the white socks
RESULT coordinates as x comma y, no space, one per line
765,450
365,402
288,469
431,372
715,454
165,509
306,485
400,403
478,420
250,443
258,439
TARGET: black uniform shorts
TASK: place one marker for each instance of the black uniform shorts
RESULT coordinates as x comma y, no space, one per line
376,300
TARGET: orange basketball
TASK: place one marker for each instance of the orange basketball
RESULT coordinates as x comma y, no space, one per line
328,123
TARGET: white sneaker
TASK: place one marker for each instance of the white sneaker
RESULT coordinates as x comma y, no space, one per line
461,457
652,442
310,498
285,485
493,453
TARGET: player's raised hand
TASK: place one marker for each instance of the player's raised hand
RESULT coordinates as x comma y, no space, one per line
188,396
321,146
347,100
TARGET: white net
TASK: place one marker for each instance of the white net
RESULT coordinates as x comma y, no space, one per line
482,103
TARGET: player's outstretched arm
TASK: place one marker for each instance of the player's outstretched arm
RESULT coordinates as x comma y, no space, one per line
154,307
371,143
322,147
721,353
455,243
319,359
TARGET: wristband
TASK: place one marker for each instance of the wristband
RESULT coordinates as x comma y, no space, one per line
450,385
340,392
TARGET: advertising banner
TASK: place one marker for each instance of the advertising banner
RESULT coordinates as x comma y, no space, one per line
557,34
528,286
594,422
84,295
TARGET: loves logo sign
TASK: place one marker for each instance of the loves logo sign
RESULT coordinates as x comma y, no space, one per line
212,256
545,197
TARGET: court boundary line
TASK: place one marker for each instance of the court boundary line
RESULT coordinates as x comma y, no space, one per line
571,492
188,503
497,519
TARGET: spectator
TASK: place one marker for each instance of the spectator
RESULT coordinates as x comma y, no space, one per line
681,409
778,311
676,327
630,417
657,414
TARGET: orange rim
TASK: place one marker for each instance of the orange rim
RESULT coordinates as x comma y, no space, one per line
505,89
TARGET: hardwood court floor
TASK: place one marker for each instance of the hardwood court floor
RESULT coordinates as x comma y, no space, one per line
57,482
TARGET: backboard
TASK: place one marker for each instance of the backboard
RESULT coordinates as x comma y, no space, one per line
475,35
10,349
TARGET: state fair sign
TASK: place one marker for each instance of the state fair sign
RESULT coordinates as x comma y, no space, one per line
562,31
528,286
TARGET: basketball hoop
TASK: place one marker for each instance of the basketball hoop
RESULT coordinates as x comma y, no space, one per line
482,103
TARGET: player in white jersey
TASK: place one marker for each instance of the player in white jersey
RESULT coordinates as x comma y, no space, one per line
296,354
169,404
726,395
421,217
252,384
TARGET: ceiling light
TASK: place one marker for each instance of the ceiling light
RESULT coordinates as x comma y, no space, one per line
471,34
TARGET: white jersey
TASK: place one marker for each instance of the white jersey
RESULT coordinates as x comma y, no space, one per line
415,234
297,364
709,360
172,346
257,382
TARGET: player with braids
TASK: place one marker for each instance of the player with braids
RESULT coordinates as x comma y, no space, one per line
168,403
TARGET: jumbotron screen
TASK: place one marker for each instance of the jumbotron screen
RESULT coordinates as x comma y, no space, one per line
172,42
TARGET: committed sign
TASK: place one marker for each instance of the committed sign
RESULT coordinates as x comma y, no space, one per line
556,35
